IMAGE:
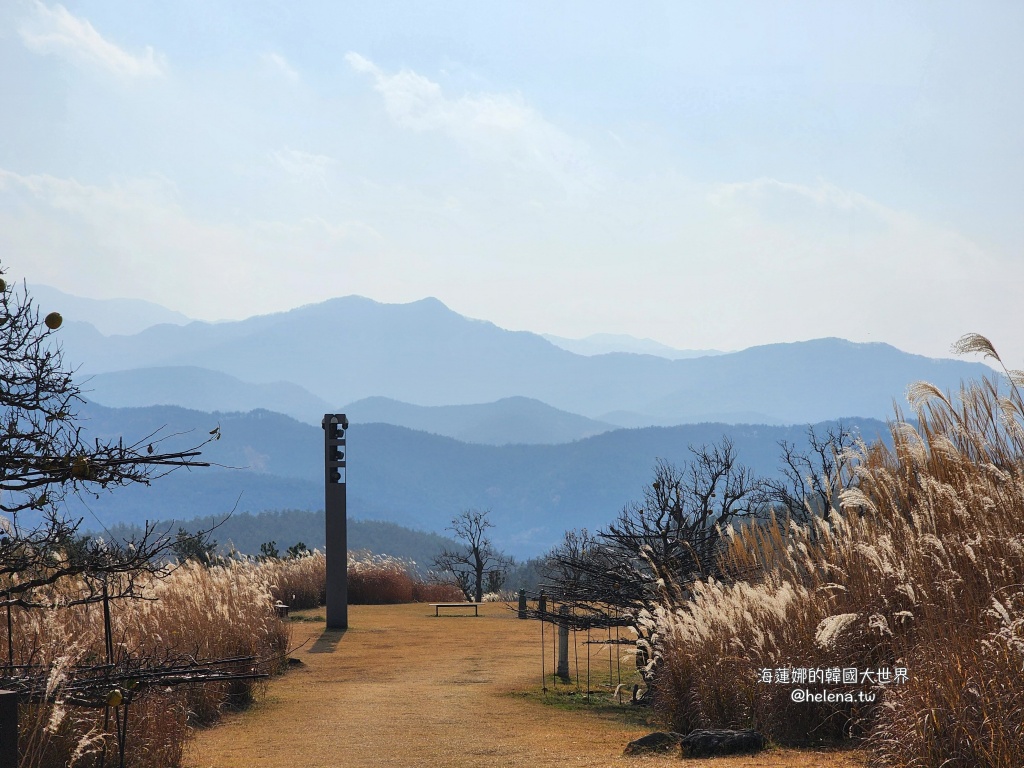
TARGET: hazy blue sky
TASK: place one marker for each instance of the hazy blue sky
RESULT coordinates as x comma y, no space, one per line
705,174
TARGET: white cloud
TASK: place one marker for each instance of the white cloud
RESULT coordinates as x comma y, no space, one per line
503,126
823,194
58,32
824,220
131,233
280,64
134,237
820,260
304,166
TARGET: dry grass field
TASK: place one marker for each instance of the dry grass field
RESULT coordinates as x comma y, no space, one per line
404,688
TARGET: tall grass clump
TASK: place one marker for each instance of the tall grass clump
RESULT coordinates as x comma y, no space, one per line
379,579
922,568
299,582
220,612
382,579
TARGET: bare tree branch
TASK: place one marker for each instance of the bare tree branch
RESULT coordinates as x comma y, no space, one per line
811,480
479,559
671,537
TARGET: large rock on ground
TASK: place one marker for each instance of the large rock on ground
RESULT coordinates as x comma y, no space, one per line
654,743
712,742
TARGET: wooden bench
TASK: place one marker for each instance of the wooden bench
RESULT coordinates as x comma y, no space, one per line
438,606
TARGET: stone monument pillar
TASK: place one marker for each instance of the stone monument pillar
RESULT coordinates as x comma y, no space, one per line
336,519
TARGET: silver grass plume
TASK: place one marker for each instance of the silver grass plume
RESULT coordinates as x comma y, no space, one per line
975,342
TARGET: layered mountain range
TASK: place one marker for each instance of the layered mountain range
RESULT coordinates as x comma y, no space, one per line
450,412
268,461
331,355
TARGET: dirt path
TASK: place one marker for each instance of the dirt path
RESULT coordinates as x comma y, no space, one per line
404,688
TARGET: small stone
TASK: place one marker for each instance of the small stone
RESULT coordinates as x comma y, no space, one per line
659,742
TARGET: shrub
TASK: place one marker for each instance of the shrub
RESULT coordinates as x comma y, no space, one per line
436,592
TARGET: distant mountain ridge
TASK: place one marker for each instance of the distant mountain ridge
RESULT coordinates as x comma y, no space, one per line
108,316
421,365
349,349
200,389
605,343
244,532
509,420
268,461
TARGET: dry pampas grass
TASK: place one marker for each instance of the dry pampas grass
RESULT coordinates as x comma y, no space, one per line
921,569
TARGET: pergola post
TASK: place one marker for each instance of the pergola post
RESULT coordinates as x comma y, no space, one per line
8,728
562,670
336,519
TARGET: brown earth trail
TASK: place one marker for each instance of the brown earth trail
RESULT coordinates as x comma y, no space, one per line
403,688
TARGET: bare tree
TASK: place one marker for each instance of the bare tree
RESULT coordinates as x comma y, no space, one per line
478,560
43,453
570,565
44,456
810,480
673,536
